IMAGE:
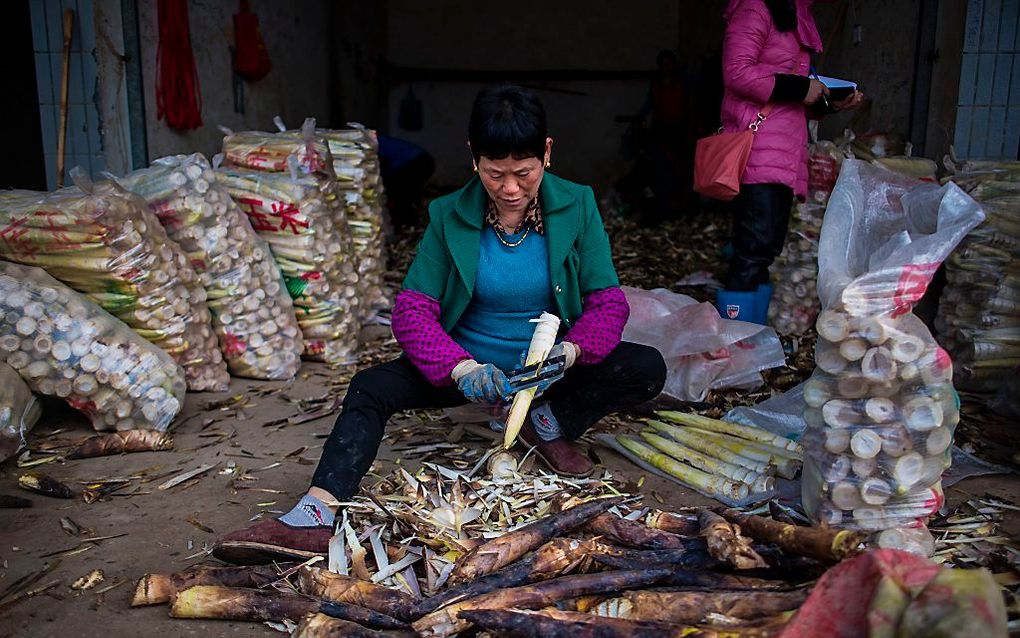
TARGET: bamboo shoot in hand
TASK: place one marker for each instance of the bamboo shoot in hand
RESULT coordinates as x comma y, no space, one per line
542,341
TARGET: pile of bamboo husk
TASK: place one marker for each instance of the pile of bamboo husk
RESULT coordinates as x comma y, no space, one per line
65,346
732,462
251,309
442,551
101,240
19,410
356,164
795,274
285,183
979,314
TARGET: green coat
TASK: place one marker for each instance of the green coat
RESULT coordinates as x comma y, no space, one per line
580,261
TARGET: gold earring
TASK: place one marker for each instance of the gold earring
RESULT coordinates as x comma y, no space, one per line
548,163
474,167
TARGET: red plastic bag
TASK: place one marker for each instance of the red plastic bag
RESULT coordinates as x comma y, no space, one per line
251,59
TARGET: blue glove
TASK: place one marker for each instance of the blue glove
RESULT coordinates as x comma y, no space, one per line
481,383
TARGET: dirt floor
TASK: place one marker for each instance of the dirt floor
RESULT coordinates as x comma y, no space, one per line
260,470
166,530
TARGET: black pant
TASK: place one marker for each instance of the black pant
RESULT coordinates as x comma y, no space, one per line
630,375
761,214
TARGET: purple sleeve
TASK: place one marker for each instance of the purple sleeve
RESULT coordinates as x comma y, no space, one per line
599,328
417,329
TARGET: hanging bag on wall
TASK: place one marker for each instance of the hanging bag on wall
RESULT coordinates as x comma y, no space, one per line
178,98
719,160
251,59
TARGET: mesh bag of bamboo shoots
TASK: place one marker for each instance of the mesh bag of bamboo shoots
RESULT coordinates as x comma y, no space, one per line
64,345
979,315
303,158
102,241
356,164
795,275
881,404
290,214
19,410
252,312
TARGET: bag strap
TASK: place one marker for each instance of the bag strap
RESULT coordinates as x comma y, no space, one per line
761,117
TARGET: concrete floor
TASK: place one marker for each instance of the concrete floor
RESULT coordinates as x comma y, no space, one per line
158,536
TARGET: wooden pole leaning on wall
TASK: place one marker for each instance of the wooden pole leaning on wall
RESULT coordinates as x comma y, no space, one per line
64,80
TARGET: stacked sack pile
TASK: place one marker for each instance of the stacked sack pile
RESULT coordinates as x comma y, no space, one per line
252,312
881,407
285,183
795,274
356,164
102,241
978,319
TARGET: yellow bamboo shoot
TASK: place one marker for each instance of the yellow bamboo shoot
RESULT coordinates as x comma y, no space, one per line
715,485
733,429
757,482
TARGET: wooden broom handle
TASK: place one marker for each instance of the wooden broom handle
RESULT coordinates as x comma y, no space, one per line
64,80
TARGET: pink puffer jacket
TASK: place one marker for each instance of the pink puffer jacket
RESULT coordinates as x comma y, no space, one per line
753,53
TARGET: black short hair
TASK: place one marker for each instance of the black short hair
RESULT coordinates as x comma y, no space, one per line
507,120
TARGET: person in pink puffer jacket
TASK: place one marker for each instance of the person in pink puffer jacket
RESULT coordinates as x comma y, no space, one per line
766,61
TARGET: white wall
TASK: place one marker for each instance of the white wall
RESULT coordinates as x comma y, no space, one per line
297,37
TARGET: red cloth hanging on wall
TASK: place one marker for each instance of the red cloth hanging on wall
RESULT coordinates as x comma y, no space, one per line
251,59
177,93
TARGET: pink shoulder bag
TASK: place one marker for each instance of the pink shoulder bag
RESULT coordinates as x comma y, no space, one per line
719,160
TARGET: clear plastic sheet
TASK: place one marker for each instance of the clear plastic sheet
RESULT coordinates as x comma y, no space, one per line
103,241
881,408
979,315
19,409
64,345
252,312
702,350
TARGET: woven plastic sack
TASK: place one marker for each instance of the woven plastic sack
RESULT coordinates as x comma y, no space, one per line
304,158
356,164
103,241
881,404
19,411
252,313
292,216
64,345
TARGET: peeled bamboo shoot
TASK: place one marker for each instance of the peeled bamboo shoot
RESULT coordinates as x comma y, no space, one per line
542,341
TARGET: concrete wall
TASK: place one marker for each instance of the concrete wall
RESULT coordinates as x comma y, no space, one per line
882,63
567,35
359,63
298,39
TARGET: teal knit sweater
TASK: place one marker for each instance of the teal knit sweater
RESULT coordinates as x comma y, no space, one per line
512,288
